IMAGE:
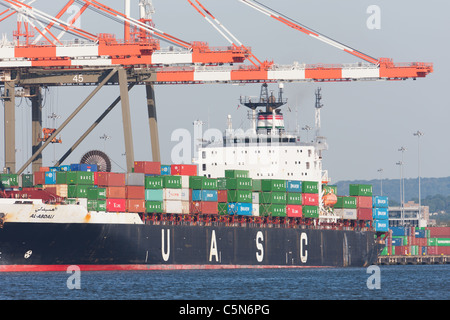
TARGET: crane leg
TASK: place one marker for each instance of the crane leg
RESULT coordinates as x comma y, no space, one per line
153,122
36,125
126,118
10,126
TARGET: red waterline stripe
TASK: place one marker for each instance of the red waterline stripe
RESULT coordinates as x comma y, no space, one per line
123,267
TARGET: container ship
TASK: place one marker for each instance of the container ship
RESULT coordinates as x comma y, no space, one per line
253,199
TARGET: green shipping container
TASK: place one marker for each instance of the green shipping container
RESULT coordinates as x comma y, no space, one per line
360,190
330,189
77,191
272,210
80,178
256,185
172,182
27,180
236,173
71,201
223,208
345,202
96,205
294,198
310,211
153,182
273,197
440,242
273,185
154,206
239,196
239,183
94,193
8,180
61,177
221,183
310,187
202,183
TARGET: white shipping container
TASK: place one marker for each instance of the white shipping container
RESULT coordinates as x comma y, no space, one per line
185,182
348,214
255,211
184,194
255,198
172,194
185,206
173,206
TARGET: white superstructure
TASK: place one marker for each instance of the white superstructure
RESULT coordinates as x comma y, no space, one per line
266,149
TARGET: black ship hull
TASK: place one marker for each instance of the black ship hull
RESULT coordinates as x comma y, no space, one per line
55,246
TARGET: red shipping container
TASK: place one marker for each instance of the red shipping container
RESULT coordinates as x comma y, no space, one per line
136,205
39,177
116,205
111,179
183,169
222,196
364,213
294,211
439,232
147,167
116,192
206,207
363,202
44,169
310,199
135,192
402,250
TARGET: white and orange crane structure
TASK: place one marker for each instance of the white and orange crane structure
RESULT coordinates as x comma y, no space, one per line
139,58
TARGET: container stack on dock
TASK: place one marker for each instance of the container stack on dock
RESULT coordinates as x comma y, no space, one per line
415,241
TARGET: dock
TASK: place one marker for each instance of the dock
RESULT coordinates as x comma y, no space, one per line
413,260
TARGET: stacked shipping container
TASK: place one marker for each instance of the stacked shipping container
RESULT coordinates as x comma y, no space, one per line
417,241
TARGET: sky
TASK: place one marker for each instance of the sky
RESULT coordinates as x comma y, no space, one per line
365,122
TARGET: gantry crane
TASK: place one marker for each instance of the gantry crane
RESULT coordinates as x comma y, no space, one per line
39,57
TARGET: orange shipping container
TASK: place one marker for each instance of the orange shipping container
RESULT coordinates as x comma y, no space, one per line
136,205
116,192
135,192
110,179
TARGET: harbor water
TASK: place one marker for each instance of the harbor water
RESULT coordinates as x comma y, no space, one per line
395,282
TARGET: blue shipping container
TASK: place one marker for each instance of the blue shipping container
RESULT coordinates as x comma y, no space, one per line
293,186
165,170
419,233
53,169
381,225
380,202
153,194
240,208
204,195
424,250
380,213
50,177
400,231
64,168
88,167
397,242
75,167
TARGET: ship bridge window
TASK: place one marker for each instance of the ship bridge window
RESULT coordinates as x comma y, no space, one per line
204,167
204,154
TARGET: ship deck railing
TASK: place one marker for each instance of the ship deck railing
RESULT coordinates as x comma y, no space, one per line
251,221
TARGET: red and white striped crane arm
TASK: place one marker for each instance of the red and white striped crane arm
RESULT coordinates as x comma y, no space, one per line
297,26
